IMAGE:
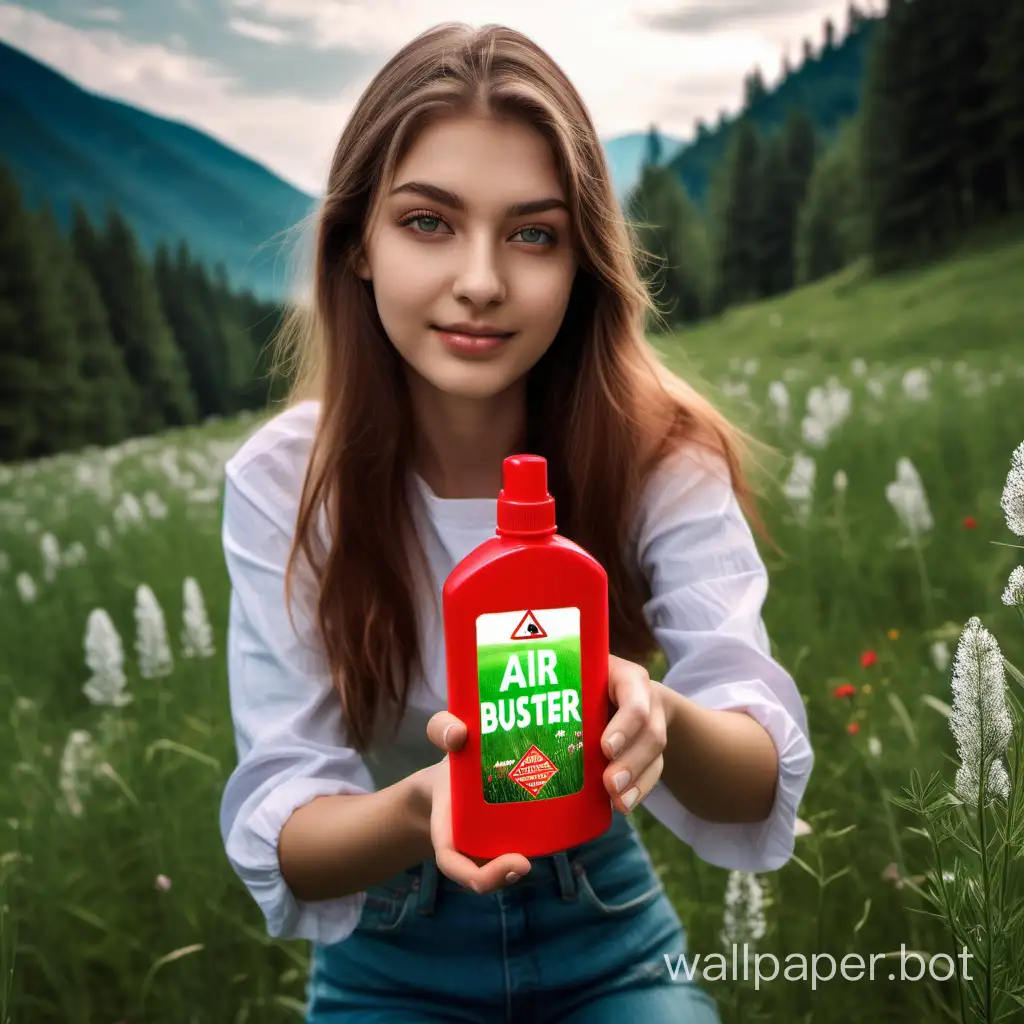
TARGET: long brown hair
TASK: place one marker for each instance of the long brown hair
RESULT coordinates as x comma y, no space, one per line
601,407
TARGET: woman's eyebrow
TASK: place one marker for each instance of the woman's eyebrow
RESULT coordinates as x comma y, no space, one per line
450,199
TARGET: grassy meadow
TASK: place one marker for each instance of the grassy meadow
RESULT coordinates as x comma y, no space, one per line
117,901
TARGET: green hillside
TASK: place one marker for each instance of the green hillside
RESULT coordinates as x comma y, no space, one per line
968,307
170,181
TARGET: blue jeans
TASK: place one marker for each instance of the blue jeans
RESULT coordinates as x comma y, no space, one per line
581,939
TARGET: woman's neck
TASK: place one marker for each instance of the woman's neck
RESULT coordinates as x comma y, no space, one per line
461,442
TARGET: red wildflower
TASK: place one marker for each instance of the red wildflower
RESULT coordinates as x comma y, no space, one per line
853,727
970,522
845,690
489,778
868,658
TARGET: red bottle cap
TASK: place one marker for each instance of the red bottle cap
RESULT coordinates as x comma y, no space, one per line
524,506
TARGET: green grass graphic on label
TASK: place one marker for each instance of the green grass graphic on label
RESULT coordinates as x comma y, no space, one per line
531,720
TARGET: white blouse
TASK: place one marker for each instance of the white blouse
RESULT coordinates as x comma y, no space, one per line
708,585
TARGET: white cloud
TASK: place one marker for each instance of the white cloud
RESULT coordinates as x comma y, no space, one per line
110,14
627,73
257,30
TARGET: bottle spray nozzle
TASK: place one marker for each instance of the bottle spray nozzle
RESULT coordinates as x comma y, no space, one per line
524,505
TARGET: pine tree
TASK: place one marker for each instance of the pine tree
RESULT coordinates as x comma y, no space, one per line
139,327
116,413
193,331
20,374
754,89
109,387
774,219
831,219
654,150
735,215
979,171
63,397
1006,73
854,18
830,35
671,237
898,151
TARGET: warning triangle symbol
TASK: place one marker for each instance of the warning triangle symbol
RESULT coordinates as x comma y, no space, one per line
528,629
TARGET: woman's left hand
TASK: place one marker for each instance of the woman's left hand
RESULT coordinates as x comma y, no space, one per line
636,733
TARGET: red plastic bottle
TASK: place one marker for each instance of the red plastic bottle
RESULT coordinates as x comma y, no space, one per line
526,638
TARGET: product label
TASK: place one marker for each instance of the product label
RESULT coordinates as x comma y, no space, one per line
531,722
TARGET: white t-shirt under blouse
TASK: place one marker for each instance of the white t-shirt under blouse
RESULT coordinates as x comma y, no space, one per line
708,585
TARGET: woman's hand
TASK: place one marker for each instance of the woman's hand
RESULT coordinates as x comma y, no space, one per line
636,735
449,733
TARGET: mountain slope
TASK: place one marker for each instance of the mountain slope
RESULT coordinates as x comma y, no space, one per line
826,88
171,181
625,155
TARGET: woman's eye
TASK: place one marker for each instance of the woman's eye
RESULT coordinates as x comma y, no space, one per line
430,222
538,231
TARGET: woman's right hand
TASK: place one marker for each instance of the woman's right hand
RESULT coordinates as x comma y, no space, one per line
482,876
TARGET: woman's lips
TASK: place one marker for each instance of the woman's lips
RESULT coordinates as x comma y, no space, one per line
472,344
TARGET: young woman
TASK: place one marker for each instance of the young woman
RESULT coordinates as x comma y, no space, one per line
474,295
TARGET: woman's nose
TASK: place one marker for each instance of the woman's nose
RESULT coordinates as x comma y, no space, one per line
480,275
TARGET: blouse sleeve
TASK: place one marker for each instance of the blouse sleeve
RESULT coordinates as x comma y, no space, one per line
289,732
708,585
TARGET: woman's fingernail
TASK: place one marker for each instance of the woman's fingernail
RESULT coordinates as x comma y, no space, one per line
620,781
615,743
630,798
444,736
511,877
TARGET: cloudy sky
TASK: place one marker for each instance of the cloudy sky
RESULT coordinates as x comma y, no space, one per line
276,79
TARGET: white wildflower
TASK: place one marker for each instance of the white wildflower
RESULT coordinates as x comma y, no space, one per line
778,395
744,920
196,635
801,828
104,655
77,764
26,587
799,486
876,388
75,554
151,643
103,538
941,657
814,432
1013,493
751,366
859,367
50,549
155,507
917,384
907,496
735,389
827,408
980,720
1014,592
874,746
840,481
127,512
